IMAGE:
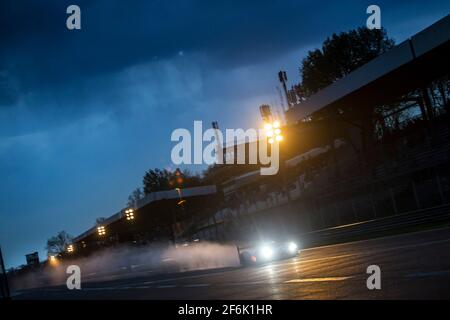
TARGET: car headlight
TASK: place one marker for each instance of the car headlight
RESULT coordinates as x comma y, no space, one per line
266,252
292,247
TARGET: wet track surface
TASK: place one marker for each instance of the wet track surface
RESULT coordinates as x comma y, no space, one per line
413,266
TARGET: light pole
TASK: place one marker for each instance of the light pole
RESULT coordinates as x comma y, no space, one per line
283,79
3,279
273,131
178,180
274,135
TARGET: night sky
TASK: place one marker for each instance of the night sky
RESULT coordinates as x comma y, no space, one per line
83,114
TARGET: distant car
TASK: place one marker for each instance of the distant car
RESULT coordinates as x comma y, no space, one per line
267,251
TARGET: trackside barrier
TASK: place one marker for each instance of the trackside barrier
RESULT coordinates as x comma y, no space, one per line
376,227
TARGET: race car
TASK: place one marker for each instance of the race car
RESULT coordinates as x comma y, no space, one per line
267,251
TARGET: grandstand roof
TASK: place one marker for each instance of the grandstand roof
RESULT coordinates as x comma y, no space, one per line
435,36
153,197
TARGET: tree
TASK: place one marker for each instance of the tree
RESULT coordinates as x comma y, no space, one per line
135,196
218,174
58,243
160,180
156,180
188,179
340,54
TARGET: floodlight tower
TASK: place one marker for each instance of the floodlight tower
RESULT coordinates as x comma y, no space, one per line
219,147
283,79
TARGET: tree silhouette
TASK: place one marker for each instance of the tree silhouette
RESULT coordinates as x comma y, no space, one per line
136,195
340,54
159,180
58,244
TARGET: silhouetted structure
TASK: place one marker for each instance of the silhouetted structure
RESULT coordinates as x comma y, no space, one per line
373,144
4,288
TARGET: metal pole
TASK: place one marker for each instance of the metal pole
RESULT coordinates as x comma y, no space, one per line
215,227
394,203
4,279
219,146
416,197
374,209
438,180
283,78
354,210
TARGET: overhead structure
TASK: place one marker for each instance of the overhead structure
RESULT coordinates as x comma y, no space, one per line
411,64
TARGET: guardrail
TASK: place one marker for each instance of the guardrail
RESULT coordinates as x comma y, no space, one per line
373,228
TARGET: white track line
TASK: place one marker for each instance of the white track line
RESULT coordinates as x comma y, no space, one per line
327,279
428,274
196,285
164,287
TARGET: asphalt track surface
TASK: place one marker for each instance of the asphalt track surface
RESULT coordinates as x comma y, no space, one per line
413,266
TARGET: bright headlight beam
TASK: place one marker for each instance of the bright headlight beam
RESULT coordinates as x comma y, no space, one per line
292,247
266,252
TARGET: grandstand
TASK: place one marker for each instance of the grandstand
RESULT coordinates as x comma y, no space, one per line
371,145
163,216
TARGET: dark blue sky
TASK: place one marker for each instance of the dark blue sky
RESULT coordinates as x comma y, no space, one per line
83,114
